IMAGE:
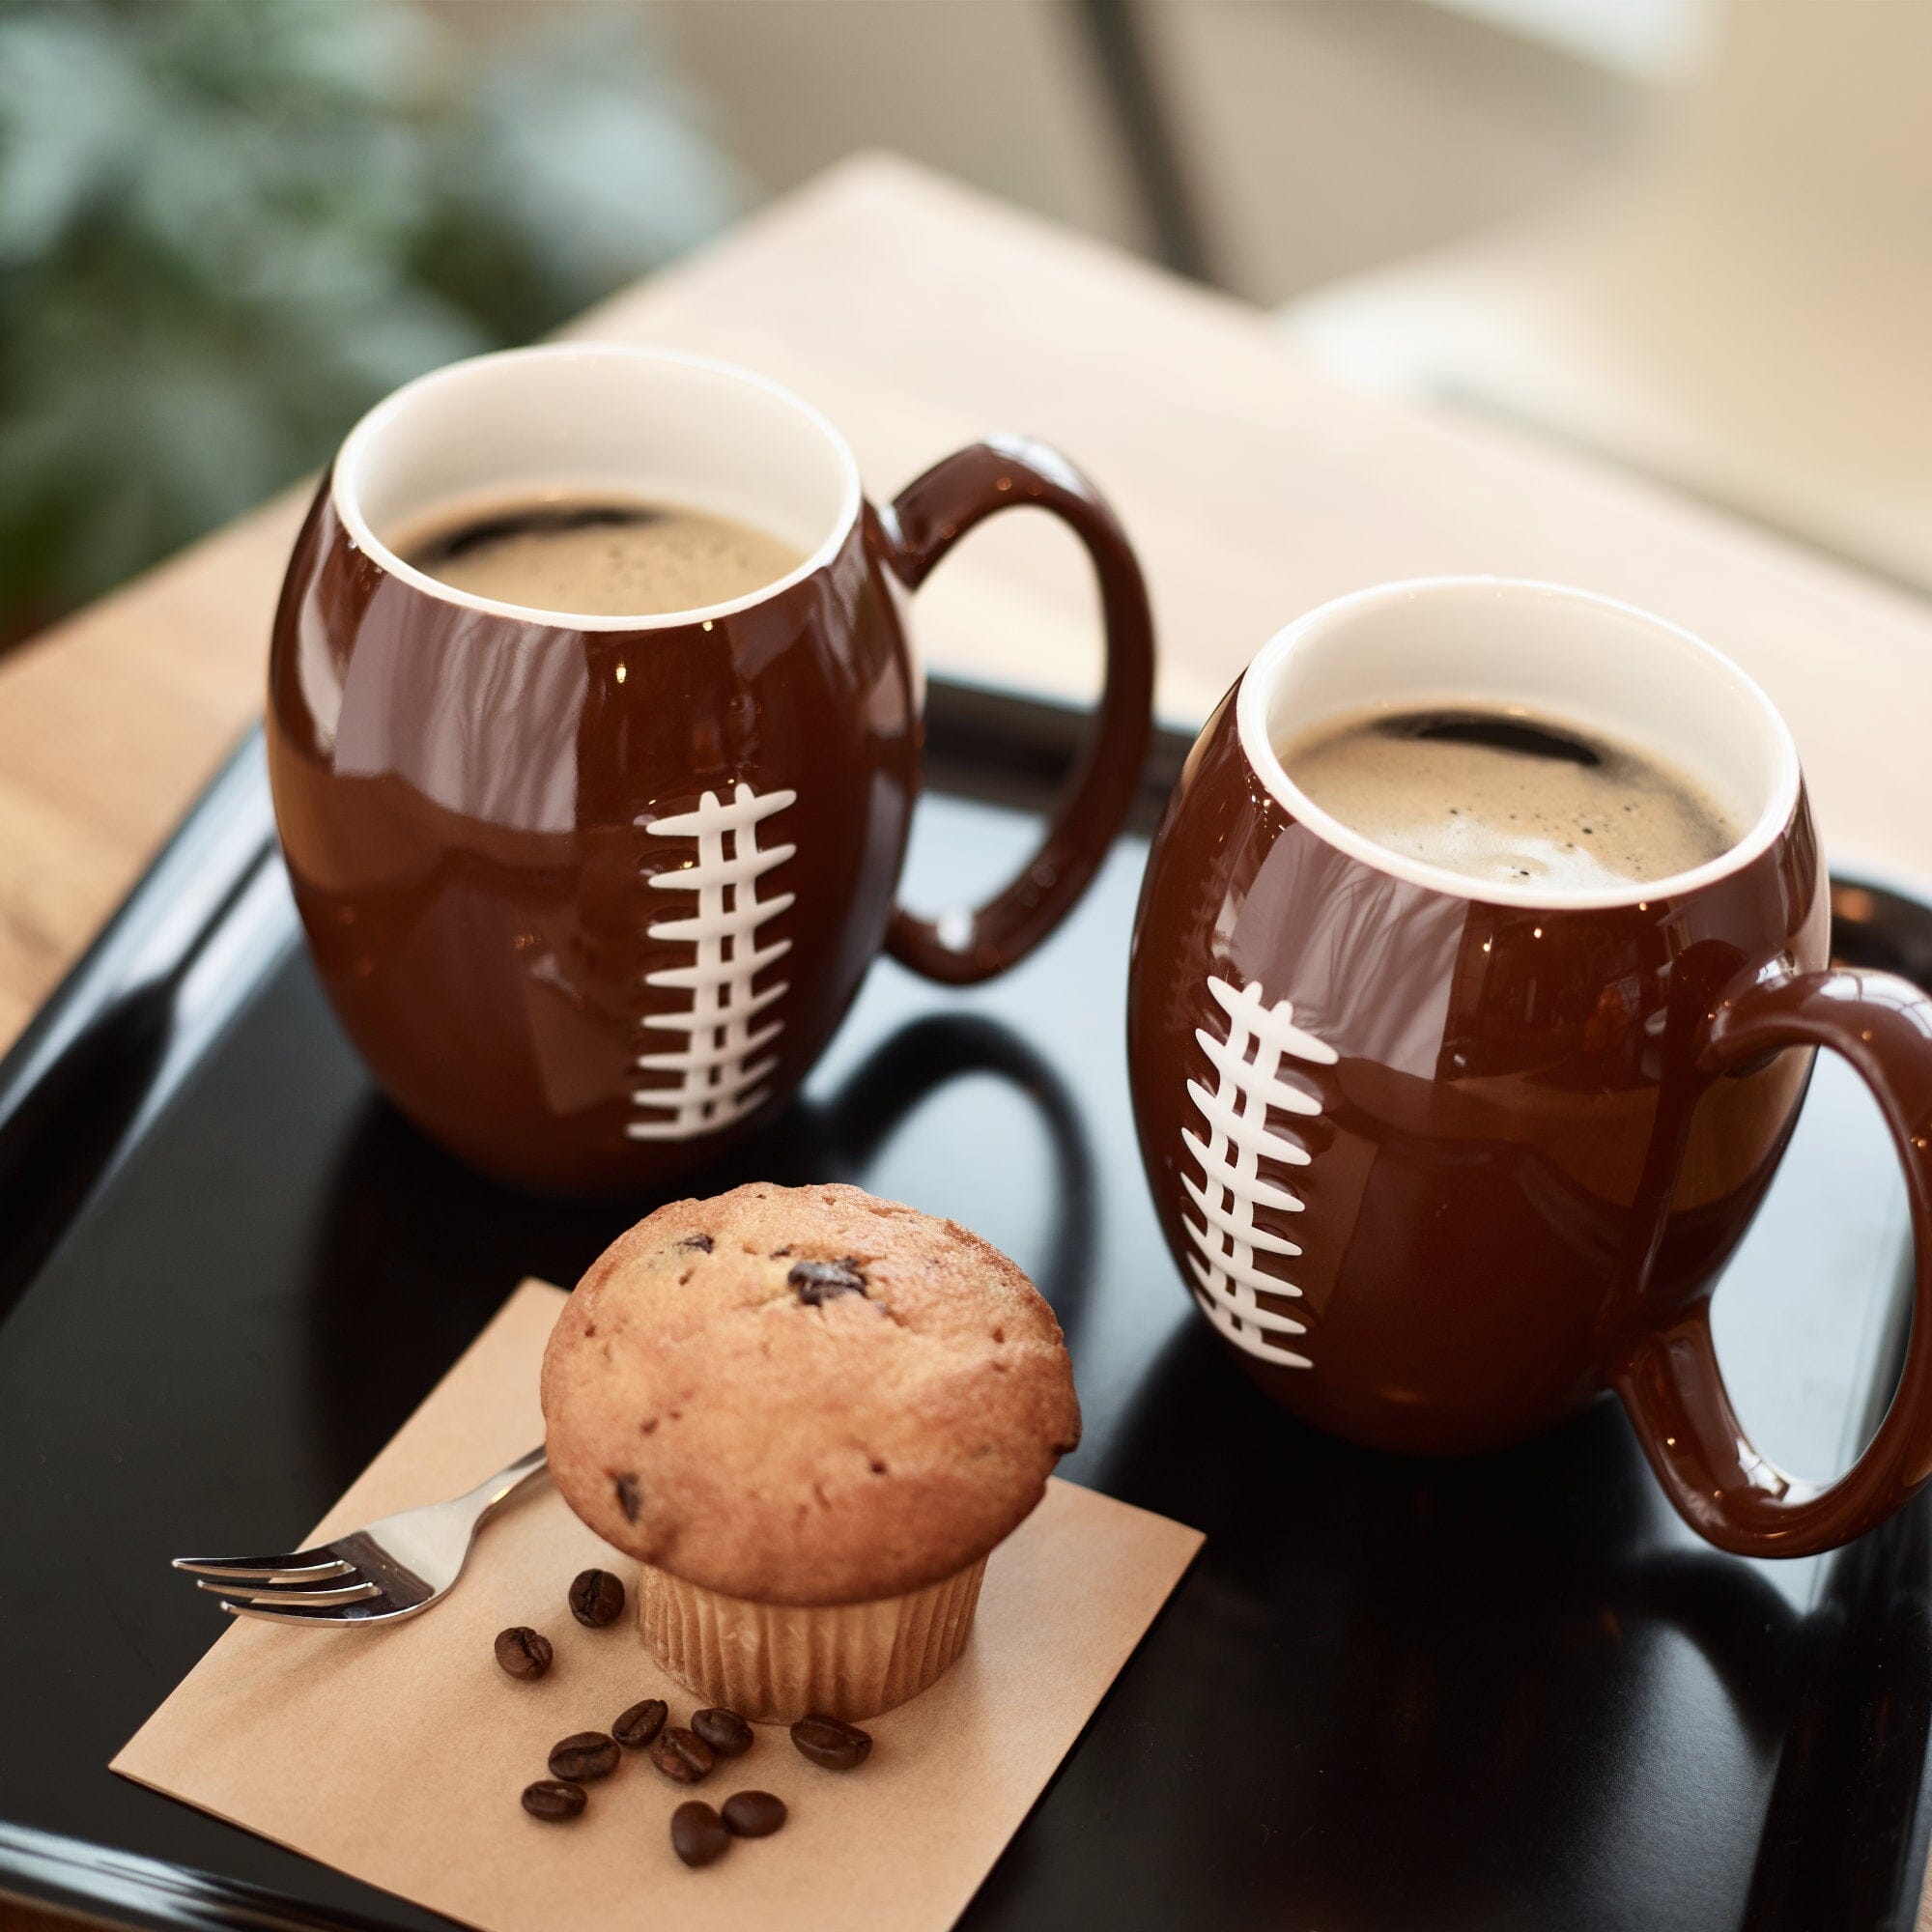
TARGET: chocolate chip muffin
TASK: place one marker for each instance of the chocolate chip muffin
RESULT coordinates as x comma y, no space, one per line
811,1415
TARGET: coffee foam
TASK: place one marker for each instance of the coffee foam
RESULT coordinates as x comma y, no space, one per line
1583,814
601,554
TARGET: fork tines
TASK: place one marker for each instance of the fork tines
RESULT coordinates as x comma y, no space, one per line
318,1562
312,1582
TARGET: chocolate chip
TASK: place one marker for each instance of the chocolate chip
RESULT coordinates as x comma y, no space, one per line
753,1814
523,1652
583,1756
684,1760
697,1835
596,1598
630,1496
725,1731
701,1243
831,1743
820,1282
552,1801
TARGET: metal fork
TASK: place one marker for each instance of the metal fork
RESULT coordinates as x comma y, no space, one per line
390,1569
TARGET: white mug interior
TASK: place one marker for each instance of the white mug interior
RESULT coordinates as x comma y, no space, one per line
582,417
1529,649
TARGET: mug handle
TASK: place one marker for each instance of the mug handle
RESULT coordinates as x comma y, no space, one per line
1670,1383
924,520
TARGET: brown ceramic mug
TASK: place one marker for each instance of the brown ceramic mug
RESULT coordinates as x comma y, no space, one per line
1440,1158
590,894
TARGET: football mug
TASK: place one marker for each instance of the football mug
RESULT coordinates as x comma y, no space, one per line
1441,1158
590,894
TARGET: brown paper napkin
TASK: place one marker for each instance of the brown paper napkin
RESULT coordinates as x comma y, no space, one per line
397,1755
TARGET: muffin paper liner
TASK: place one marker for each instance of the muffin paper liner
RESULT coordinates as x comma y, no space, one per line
777,1663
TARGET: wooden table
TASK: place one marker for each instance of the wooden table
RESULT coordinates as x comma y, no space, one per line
919,316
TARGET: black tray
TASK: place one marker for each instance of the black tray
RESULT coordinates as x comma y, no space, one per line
1513,1693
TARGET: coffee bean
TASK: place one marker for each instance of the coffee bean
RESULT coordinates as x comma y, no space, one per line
701,1243
583,1756
831,1743
553,1799
630,1495
725,1731
697,1835
596,1599
523,1652
684,1760
641,1724
753,1814
820,1282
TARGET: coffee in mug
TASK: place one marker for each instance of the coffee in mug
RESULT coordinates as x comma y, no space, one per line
1505,795
1449,1132
594,552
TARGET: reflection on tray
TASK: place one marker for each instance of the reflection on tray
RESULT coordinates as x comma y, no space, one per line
400,1208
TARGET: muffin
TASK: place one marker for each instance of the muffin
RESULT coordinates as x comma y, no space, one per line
811,1415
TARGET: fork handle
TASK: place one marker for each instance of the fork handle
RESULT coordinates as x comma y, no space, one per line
494,1492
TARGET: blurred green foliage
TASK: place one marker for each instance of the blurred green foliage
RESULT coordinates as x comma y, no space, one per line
227,226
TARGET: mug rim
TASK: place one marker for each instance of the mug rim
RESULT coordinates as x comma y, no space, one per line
1251,703
356,446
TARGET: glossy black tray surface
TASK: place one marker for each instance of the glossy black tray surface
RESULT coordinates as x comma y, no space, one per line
1505,1694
